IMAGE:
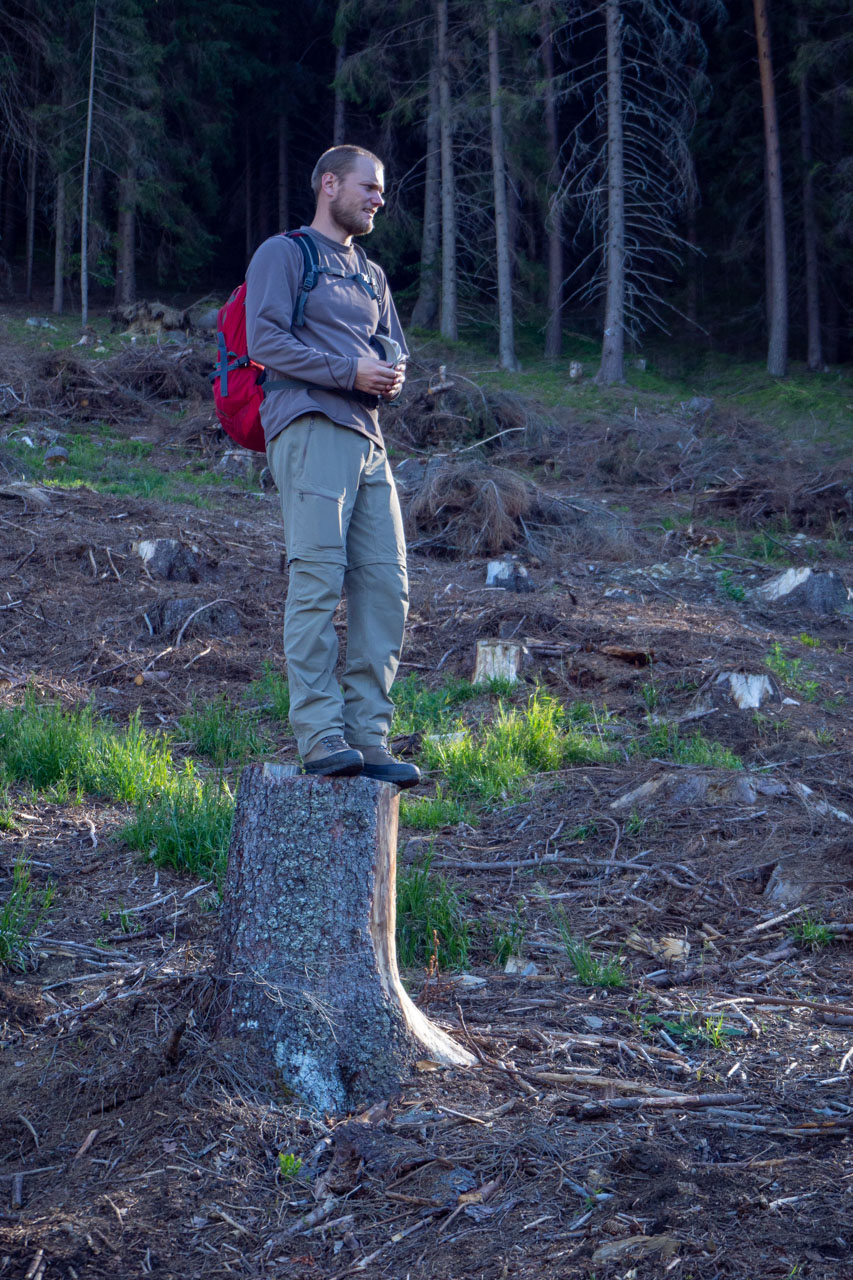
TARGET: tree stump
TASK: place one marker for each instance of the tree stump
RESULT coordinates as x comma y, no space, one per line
307,960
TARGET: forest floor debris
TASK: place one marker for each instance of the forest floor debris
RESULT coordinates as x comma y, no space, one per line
693,1118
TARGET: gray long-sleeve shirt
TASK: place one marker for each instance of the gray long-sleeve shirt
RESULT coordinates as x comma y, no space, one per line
340,319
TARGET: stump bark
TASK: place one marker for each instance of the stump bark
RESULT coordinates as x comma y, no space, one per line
307,960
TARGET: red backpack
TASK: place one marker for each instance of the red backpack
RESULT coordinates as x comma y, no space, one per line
238,382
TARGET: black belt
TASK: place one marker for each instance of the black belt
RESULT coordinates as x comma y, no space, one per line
296,384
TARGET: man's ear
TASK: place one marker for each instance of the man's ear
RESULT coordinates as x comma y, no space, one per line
328,183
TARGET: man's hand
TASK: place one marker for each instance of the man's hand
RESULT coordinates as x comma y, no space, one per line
379,378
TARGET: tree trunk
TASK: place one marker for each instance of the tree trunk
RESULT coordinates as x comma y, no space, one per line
125,288
32,165
307,962
449,322
248,180
613,346
425,311
340,122
506,342
554,217
777,347
59,246
691,305
84,212
814,356
283,176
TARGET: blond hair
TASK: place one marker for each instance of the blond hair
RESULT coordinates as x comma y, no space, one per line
340,161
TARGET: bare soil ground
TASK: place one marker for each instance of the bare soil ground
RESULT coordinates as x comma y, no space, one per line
695,1122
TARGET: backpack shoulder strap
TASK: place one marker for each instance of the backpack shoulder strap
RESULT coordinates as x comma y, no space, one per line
368,278
311,261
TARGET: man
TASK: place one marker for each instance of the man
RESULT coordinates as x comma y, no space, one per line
342,523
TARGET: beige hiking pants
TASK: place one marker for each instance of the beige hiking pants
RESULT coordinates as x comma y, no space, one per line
344,533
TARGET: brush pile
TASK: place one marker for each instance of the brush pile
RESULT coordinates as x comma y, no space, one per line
467,508
121,390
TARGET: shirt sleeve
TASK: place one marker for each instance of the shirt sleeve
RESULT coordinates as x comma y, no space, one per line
272,284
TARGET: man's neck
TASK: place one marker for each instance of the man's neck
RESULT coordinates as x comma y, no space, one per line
326,226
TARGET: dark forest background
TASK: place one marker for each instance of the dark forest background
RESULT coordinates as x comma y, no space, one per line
194,127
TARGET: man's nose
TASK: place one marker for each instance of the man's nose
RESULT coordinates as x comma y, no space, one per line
377,199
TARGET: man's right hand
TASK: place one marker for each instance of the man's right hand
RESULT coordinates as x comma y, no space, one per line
376,377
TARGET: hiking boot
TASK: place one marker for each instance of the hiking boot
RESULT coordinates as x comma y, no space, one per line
381,765
335,757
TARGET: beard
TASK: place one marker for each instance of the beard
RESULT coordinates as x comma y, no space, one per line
351,218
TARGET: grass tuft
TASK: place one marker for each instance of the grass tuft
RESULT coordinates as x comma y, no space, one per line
495,763
223,732
272,692
432,813
588,969
186,826
508,936
789,670
429,907
812,933
20,916
663,741
44,745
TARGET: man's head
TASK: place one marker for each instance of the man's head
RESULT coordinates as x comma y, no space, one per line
348,183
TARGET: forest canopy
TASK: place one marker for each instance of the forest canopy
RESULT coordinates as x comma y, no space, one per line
627,168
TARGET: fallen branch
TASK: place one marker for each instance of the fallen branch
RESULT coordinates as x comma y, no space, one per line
682,1101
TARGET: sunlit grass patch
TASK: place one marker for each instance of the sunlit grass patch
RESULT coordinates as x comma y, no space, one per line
664,742
431,813
181,819
20,916
222,732
494,762
813,933
186,826
430,918
272,692
44,745
417,708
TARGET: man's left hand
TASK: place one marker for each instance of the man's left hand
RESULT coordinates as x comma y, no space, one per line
397,386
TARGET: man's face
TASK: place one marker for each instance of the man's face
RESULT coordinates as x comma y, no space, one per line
357,196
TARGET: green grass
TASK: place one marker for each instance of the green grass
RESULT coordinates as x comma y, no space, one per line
222,732
289,1165
187,825
432,813
664,742
729,588
812,933
429,909
508,936
272,693
418,709
106,462
46,746
588,969
688,1030
789,671
495,762
20,916
181,820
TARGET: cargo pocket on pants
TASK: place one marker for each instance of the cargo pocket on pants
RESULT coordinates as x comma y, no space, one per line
317,526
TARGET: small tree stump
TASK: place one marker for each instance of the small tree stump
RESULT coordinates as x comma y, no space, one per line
307,957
